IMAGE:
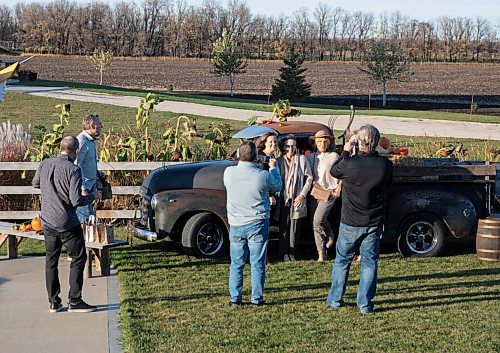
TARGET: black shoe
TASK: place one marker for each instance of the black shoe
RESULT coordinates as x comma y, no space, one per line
56,307
258,304
81,307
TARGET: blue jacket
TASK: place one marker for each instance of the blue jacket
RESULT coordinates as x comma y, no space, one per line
248,188
87,161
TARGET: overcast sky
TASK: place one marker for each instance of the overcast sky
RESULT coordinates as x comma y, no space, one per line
417,9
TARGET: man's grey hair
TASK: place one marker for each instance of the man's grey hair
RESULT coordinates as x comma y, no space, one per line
369,137
89,120
69,144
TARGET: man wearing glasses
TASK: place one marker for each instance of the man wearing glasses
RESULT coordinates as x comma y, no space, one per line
87,161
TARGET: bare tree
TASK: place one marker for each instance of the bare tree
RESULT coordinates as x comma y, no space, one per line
324,22
480,32
7,24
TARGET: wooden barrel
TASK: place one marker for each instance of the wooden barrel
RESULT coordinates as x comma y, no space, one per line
488,238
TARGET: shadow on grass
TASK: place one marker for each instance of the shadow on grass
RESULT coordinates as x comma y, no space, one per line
435,300
444,275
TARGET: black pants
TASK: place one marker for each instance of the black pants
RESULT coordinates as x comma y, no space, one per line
75,245
289,231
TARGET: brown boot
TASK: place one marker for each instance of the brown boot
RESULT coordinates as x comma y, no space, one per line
321,256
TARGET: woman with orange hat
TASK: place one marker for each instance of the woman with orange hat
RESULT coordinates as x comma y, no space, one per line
321,162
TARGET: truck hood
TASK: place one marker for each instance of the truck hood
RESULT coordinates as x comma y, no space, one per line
197,175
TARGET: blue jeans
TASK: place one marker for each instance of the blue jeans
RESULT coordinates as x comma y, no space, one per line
368,241
248,239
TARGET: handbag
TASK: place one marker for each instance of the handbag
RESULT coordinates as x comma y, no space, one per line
319,193
107,192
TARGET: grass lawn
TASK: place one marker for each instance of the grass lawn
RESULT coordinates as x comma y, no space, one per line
172,304
34,110
263,106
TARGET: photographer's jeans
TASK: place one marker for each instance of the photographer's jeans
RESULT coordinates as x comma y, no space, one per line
248,239
368,241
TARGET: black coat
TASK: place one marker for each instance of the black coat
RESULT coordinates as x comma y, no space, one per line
365,179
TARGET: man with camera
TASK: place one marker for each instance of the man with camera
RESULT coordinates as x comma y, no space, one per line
365,178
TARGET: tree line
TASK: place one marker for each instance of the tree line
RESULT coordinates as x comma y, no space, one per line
173,28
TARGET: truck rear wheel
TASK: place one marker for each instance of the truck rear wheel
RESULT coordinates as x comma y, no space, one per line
204,235
421,235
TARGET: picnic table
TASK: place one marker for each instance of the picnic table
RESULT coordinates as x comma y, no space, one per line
101,251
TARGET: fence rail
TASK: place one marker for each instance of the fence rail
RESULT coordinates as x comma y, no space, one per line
111,166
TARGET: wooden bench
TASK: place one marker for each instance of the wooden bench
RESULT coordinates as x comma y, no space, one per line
101,251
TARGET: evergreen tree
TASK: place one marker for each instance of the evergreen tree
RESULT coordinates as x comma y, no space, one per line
292,83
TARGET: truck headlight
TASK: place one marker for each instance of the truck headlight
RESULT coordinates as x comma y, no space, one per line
154,201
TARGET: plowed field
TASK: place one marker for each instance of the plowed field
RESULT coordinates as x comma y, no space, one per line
450,84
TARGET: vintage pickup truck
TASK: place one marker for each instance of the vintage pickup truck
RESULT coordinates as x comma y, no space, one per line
426,203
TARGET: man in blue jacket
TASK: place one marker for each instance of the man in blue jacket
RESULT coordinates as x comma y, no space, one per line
87,161
248,210
365,178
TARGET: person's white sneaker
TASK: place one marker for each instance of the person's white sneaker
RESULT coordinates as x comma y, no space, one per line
286,258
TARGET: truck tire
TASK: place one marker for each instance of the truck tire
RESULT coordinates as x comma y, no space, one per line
421,235
204,235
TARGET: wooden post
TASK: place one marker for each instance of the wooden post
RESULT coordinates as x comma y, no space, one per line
105,262
88,265
12,247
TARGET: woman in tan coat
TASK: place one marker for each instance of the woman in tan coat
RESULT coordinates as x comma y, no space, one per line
321,162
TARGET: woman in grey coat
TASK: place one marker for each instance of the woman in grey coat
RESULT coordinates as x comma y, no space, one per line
297,180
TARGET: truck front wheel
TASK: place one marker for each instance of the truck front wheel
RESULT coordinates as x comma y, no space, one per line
421,235
204,235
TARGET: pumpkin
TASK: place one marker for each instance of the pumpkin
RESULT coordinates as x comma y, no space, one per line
25,227
36,224
385,143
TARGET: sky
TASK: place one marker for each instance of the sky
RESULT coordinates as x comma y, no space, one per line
423,10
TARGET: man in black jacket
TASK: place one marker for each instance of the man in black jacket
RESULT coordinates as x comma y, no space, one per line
60,183
365,177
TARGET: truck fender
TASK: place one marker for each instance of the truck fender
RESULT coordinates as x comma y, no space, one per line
457,212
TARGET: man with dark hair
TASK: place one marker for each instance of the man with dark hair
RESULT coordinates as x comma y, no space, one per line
248,209
87,161
60,183
365,178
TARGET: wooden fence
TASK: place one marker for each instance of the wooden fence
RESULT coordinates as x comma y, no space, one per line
117,189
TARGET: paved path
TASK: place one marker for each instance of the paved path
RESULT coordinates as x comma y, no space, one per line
27,326
387,125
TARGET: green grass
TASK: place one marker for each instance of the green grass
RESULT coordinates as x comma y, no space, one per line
172,304
264,107
28,109
34,110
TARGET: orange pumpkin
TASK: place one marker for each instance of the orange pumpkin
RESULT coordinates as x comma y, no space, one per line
25,227
36,224
385,143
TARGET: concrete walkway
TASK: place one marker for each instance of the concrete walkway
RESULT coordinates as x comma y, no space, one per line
387,125
27,326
